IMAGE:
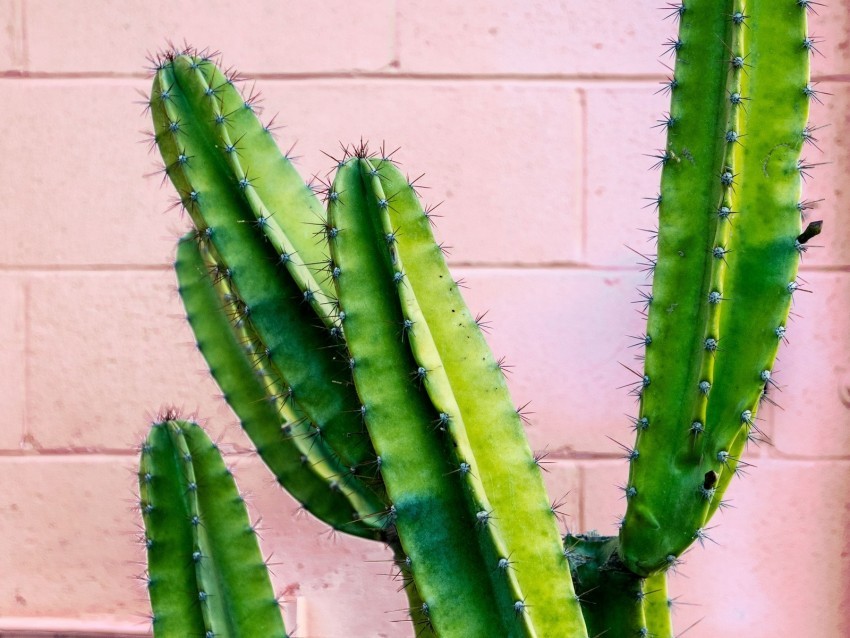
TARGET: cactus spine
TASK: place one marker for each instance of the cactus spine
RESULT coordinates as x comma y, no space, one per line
344,346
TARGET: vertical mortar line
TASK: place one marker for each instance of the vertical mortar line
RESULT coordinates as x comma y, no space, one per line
582,154
396,61
26,364
24,51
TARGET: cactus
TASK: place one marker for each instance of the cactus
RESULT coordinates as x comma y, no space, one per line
343,344
206,576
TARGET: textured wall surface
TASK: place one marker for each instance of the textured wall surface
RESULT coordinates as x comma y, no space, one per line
531,120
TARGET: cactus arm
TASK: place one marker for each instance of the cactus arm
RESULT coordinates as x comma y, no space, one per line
425,352
493,432
665,504
762,269
428,507
283,207
230,588
294,459
611,596
301,351
656,607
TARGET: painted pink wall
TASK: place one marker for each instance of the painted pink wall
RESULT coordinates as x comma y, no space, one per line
532,120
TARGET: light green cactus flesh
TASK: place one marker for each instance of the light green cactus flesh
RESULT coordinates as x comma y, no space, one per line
435,529
725,271
206,576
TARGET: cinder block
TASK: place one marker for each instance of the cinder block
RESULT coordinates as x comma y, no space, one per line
75,193
12,46
767,569
602,501
109,349
539,38
266,37
828,186
69,538
620,183
831,25
500,158
564,332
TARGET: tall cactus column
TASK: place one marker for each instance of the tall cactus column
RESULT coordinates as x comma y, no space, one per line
727,258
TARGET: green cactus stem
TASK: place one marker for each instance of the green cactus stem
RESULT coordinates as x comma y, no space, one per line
428,506
206,576
278,430
657,606
726,266
468,386
762,271
612,598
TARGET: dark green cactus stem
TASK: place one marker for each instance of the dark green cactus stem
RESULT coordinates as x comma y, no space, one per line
726,266
206,574
612,597
436,532
300,349
276,428
467,385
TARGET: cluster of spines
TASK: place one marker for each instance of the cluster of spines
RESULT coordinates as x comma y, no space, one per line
704,443
206,575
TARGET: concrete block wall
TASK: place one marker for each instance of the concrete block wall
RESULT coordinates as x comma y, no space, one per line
531,120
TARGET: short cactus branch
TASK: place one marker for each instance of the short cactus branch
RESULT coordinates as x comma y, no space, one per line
199,540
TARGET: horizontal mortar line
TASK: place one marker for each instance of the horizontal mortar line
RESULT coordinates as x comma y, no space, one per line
470,265
228,451
565,455
242,453
85,267
70,452
351,75
378,75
